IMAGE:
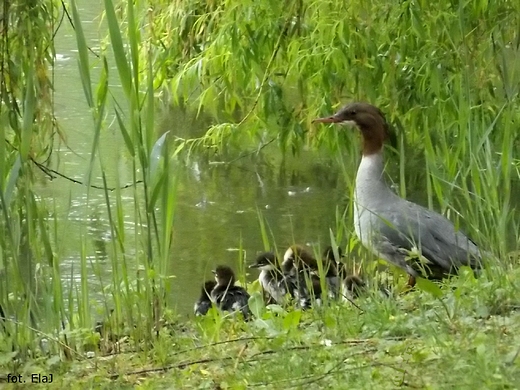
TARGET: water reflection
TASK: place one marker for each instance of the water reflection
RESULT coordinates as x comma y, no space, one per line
218,212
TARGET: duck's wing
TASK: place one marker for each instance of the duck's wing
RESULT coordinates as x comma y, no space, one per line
434,235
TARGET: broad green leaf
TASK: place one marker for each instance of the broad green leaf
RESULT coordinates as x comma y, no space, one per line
83,61
429,286
116,39
256,304
292,319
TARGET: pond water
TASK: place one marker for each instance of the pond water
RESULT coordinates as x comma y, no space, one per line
217,205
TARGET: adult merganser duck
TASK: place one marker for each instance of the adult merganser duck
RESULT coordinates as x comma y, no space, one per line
392,227
278,284
203,304
226,295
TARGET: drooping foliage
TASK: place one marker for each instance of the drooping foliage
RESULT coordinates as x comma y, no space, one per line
446,73
27,130
283,62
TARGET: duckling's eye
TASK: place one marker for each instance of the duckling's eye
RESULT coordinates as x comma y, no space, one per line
352,112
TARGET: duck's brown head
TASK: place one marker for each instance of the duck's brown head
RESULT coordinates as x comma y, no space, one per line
368,118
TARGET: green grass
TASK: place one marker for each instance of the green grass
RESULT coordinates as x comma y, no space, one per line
467,338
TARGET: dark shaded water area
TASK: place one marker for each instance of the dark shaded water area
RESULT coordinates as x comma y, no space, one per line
218,205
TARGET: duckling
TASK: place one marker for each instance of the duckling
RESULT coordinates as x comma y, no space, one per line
298,258
226,295
328,254
300,262
352,286
330,264
203,304
278,284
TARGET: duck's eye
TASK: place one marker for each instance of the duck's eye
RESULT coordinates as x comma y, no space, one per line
352,112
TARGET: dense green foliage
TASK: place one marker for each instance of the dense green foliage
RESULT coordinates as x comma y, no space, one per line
447,74
286,61
27,131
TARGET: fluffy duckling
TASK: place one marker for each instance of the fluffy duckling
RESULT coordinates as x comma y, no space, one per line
226,295
299,262
328,254
278,284
298,258
352,286
203,304
330,265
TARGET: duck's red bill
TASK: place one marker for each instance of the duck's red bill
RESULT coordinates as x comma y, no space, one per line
327,119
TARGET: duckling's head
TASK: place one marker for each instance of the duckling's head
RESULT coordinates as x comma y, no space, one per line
265,261
354,283
224,275
300,258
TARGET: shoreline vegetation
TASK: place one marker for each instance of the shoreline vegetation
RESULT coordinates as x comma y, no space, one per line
446,74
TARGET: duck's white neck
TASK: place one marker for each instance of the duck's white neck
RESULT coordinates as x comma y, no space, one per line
371,188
